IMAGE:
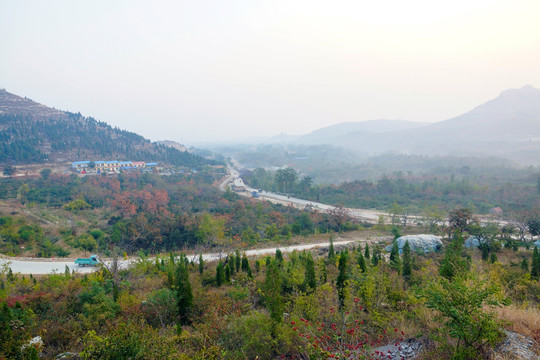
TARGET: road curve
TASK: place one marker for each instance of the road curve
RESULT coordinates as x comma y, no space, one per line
47,266
234,179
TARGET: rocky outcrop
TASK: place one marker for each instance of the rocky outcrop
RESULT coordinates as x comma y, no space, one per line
517,347
472,242
419,243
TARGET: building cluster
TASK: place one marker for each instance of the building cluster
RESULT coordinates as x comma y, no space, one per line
111,167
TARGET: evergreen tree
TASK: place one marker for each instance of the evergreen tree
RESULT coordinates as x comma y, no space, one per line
361,260
395,251
294,257
538,260
238,261
6,331
366,252
535,264
525,265
184,296
324,273
231,262
201,264
331,251
342,278
272,292
220,275
310,279
407,261
493,258
395,232
227,273
395,262
376,256
279,257
257,265
245,263
485,251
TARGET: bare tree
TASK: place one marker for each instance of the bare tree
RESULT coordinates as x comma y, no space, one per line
340,215
520,220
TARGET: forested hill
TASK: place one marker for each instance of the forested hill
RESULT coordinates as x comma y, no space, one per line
31,132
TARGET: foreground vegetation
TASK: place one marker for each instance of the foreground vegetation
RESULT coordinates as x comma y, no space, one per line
336,304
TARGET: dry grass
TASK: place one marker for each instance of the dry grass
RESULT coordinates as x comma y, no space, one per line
524,321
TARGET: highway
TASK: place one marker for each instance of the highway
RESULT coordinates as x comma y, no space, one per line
234,179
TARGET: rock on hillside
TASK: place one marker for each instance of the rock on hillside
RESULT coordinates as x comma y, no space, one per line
424,243
172,144
472,242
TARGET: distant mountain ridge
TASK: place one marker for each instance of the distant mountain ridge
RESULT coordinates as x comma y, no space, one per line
366,127
31,132
507,126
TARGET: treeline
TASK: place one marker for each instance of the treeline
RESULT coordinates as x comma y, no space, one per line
328,164
413,192
24,139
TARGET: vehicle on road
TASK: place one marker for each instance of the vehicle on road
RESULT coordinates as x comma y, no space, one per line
91,261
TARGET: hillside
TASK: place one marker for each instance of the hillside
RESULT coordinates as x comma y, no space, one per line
33,133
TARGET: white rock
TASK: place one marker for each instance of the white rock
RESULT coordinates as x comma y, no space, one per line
35,342
472,241
424,243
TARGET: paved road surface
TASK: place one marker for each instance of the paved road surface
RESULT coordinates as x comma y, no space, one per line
361,214
46,266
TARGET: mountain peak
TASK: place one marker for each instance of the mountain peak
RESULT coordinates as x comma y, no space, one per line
512,101
525,91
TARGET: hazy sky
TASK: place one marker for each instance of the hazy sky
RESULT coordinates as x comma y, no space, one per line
210,70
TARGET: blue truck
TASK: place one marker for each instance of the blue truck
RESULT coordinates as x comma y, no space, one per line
91,261
255,194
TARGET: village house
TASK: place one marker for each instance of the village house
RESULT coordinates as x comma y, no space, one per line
111,166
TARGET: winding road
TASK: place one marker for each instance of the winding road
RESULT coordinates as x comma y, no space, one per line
234,179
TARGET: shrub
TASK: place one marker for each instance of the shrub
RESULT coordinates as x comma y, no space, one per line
129,341
460,304
250,337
